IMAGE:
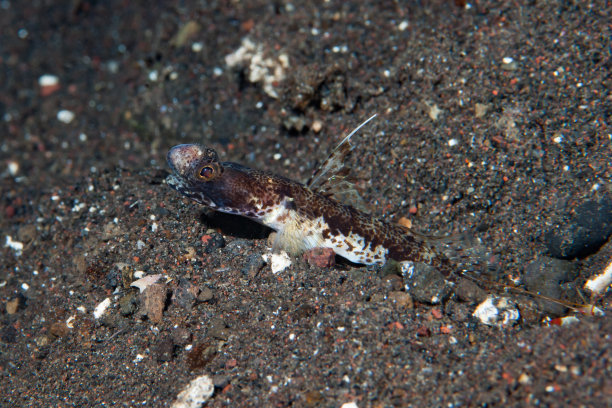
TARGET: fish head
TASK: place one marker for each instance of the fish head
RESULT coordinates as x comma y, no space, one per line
228,187
197,174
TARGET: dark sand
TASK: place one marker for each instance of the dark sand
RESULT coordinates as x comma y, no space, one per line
494,122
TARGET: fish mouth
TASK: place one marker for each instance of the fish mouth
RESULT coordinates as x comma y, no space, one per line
178,183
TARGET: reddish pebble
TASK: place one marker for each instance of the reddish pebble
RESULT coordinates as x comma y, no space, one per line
423,332
231,363
405,222
395,325
9,211
48,84
413,210
49,89
437,313
205,239
445,330
321,257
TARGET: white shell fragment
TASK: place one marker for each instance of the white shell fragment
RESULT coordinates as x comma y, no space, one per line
14,245
65,116
13,167
433,111
600,282
70,322
278,262
267,70
48,80
101,308
197,392
497,311
146,281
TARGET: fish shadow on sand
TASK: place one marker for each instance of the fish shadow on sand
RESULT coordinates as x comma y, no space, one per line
235,225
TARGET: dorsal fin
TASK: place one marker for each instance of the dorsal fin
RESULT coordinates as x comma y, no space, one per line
331,178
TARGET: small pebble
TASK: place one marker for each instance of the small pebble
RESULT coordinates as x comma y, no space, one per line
582,233
320,257
545,276
128,304
65,116
185,294
43,340
206,294
197,47
392,282
480,110
402,299
524,379
406,222
278,262
212,242
100,309
220,380
391,267
468,291
154,298
112,279
424,282
48,80
497,311
303,311
59,329
436,313
181,336
434,111
423,332
14,245
600,282
253,265
218,329
13,167
27,233
164,350
195,394
509,64
13,305
48,84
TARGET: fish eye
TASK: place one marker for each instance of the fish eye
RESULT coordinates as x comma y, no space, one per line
206,173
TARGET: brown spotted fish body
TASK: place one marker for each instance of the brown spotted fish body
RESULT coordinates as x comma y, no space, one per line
305,216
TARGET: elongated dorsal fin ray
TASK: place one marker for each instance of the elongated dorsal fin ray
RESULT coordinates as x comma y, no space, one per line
331,178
